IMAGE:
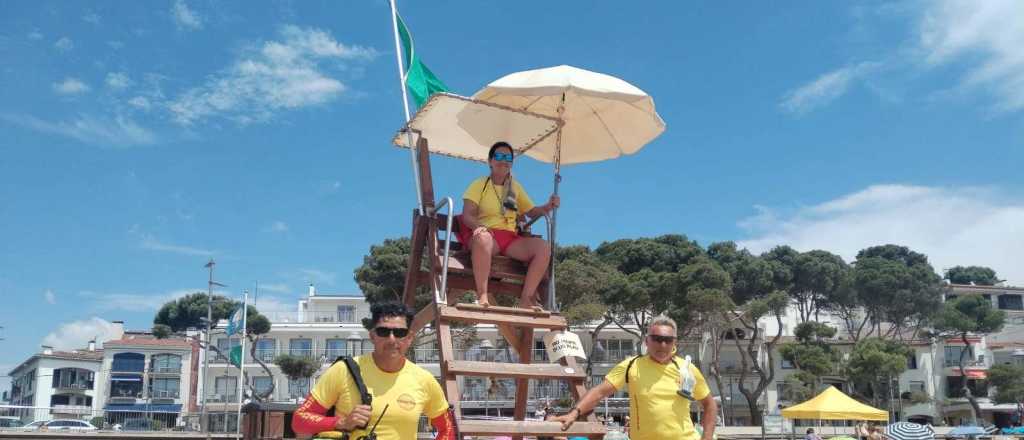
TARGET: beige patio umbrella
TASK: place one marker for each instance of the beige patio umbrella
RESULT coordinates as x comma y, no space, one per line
601,117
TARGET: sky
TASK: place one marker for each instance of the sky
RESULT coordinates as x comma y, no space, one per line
139,140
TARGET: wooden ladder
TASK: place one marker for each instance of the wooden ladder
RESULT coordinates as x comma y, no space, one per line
442,312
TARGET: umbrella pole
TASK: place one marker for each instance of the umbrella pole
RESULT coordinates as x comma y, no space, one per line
552,304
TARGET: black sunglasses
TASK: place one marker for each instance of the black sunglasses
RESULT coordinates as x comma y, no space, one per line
386,331
663,339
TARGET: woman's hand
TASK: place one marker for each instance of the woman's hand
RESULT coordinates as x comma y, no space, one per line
553,202
480,230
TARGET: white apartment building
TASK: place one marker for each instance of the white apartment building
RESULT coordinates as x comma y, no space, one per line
144,377
62,382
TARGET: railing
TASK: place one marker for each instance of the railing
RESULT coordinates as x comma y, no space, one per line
450,204
75,386
222,397
266,354
71,409
611,356
328,316
164,394
166,370
424,355
86,419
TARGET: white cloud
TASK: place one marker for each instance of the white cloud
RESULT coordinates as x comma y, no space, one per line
136,302
64,44
140,102
35,35
49,297
988,35
92,17
151,243
70,86
278,226
184,17
281,75
953,226
318,276
826,88
118,80
77,334
118,132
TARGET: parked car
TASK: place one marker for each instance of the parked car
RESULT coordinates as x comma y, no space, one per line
10,422
33,426
68,425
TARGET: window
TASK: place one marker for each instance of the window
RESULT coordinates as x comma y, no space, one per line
912,361
265,349
74,378
298,389
917,386
225,345
1010,302
226,388
346,314
262,383
787,364
126,385
336,347
952,355
166,363
301,347
129,362
164,387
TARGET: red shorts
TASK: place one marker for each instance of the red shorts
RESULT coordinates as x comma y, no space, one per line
502,237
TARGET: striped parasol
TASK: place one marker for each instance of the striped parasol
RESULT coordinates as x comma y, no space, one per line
909,431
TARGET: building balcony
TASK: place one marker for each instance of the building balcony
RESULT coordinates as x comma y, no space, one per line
328,317
222,398
74,387
71,409
164,394
166,370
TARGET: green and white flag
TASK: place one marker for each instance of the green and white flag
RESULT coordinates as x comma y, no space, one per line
235,356
418,78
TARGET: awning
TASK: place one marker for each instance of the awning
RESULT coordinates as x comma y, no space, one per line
126,378
145,407
972,373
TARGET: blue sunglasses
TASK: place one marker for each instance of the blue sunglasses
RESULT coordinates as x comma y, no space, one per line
502,157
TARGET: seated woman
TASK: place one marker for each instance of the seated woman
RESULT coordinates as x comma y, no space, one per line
491,207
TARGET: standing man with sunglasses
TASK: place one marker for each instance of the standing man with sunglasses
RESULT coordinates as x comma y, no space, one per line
661,386
491,206
406,389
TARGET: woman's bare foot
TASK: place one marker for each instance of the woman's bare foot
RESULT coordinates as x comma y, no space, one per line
484,300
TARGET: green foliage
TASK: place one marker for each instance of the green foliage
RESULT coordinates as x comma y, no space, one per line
969,314
812,354
918,397
381,277
98,422
582,283
660,254
818,277
1009,382
977,275
190,311
157,425
876,358
296,367
751,276
795,389
161,331
897,285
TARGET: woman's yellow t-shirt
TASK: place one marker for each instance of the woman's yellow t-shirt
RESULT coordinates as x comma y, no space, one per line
408,393
488,197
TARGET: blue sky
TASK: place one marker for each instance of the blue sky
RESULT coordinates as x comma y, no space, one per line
141,139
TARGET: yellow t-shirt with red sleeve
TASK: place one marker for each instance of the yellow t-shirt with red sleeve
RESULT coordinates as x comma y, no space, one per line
488,197
408,393
656,411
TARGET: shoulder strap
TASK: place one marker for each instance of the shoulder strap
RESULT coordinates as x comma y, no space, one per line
357,377
630,365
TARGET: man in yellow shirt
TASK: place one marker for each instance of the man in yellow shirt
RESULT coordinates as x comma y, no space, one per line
404,388
491,207
661,386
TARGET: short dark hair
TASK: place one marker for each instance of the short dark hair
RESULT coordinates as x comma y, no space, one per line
497,145
388,309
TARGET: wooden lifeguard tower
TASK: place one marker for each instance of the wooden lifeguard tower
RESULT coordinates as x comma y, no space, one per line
449,272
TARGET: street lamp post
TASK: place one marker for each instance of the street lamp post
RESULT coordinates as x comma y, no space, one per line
204,415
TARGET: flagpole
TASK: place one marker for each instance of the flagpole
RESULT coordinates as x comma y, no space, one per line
405,104
241,365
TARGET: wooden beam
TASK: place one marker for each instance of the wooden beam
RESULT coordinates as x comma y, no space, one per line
515,370
506,427
550,322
